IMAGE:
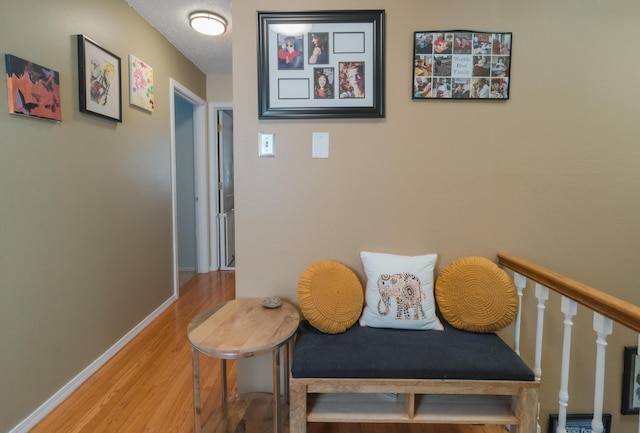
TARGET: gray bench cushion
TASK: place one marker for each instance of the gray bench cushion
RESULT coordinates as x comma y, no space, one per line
363,352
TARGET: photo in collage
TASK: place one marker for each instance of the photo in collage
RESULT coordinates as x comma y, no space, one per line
316,54
461,65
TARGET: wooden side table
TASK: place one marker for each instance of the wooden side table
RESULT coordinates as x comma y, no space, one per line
243,328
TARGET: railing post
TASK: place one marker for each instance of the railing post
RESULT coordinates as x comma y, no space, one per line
569,308
520,281
542,294
603,327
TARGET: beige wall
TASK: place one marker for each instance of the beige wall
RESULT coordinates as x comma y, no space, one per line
219,88
551,175
85,208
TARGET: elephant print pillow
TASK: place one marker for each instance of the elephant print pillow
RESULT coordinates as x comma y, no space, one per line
399,291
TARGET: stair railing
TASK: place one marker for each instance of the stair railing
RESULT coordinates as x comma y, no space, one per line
606,310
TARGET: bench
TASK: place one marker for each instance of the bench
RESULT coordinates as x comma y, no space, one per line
373,375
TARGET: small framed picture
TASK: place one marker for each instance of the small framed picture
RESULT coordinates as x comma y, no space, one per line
631,382
579,423
100,79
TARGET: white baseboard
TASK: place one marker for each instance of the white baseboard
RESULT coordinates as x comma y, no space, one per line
38,415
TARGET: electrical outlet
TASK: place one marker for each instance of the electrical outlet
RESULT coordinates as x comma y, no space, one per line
266,144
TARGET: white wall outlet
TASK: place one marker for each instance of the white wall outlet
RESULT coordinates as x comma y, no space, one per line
266,144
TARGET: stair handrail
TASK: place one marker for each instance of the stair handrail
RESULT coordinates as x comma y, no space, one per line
616,309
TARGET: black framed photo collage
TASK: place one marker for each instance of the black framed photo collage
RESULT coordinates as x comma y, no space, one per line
461,64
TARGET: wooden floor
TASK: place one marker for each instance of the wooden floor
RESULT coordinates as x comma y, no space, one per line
148,387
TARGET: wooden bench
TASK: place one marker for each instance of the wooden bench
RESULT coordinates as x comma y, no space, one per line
369,375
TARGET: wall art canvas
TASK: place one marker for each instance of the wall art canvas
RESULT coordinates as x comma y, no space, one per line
141,83
99,76
461,64
32,90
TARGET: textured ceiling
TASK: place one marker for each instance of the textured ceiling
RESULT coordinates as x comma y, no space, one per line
211,54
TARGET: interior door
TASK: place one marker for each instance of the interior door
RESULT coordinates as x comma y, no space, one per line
226,189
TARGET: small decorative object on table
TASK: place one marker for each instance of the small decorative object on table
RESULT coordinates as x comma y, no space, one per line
271,302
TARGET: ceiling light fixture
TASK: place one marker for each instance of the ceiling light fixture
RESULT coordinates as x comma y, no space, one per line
208,23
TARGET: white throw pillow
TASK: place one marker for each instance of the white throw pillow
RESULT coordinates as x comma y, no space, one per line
399,291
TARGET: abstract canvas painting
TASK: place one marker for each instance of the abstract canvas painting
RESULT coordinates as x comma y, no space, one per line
141,83
32,90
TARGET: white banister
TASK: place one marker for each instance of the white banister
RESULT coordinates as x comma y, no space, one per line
569,308
606,308
542,294
520,281
603,327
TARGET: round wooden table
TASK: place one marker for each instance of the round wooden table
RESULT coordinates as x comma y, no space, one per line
242,328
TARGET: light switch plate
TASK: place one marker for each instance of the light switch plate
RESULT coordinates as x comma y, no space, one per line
320,145
266,144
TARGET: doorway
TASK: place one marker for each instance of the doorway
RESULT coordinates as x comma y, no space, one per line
222,184
186,98
185,190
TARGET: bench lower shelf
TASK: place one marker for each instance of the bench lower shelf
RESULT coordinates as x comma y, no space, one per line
410,408
416,401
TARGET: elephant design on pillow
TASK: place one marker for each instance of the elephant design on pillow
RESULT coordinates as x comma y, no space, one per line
405,288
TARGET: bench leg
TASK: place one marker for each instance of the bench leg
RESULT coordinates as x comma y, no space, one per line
526,409
297,407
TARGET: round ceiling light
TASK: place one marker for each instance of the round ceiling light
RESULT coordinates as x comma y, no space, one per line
208,23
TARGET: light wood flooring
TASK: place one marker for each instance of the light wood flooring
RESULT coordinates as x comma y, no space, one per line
148,387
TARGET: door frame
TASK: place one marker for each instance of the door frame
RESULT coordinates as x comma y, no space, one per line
200,179
214,176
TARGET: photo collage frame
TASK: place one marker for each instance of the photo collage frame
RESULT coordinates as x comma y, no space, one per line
461,64
320,64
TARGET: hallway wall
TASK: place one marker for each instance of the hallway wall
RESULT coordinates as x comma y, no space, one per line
85,213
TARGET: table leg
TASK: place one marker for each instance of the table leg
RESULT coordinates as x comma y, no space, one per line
286,348
276,390
224,381
196,388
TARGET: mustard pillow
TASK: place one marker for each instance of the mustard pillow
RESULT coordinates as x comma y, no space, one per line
474,294
330,296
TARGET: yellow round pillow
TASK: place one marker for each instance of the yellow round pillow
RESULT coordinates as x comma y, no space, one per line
330,296
474,294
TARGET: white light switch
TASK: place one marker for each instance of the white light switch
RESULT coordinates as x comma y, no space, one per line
320,145
266,144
